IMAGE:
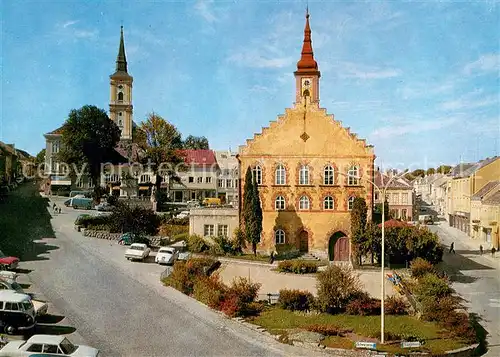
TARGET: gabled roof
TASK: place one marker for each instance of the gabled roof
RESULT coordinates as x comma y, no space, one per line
382,179
493,199
476,166
199,157
490,186
460,168
57,131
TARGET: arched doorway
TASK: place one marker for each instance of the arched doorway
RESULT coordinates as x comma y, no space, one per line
338,247
304,241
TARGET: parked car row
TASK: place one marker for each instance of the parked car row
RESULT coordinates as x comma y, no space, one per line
165,255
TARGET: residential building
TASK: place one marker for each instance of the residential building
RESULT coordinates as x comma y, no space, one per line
213,222
464,184
302,162
227,181
8,164
485,214
199,181
399,195
438,193
423,186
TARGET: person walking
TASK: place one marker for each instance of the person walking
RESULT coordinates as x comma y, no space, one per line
452,247
493,250
481,249
271,258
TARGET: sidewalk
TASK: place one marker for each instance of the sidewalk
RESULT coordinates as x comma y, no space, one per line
471,243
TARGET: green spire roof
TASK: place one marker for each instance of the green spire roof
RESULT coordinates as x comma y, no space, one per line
121,60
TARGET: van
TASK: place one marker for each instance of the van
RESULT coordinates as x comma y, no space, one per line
211,201
85,203
17,312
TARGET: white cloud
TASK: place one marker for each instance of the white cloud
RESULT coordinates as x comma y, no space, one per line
204,9
254,59
470,102
412,127
426,89
69,23
361,106
354,70
85,33
485,64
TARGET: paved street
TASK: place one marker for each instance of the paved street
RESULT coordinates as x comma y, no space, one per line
477,279
121,307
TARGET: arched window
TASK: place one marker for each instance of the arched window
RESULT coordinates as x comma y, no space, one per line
328,203
304,175
279,236
279,203
350,202
280,175
353,176
329,175
257,172
120,96
304,203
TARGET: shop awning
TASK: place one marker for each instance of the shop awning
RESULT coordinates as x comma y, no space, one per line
143,188
116,187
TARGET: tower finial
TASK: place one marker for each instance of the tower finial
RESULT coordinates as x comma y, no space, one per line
121,59
307,62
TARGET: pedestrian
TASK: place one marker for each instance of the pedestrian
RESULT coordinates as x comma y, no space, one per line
493,250
271,258
481,249
54,207
59,209
452,247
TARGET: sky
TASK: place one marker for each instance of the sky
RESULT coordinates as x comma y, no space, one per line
418,80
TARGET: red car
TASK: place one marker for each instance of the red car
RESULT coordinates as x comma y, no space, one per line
9,263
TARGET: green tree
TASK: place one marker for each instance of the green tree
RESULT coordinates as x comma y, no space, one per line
162,150
40,157
430,171
377,212
249,214
196,143
443,169
257,209
359,214
88,140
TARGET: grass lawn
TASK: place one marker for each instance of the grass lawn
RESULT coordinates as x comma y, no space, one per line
23,219
279,321
251,257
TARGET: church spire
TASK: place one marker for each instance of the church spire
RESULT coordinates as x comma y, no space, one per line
121,60
307,62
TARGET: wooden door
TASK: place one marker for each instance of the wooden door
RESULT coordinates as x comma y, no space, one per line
304,241
342,249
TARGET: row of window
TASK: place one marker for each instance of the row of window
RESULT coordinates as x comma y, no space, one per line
280,177
209,230
227,183
305,204
395,198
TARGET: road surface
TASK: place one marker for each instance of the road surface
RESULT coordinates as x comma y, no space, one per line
121,307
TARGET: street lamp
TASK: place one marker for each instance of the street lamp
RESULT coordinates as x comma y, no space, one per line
382,192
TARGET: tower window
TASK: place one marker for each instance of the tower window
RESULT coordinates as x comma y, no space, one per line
119,114
306,93
120,96
120,86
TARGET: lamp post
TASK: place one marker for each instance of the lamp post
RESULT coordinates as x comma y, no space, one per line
382,191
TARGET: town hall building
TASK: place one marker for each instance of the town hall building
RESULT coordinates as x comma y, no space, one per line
309,169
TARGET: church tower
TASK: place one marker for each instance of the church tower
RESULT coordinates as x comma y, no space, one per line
307,74
120,102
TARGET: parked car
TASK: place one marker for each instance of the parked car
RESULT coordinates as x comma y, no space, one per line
16,312
49,345
166,255
8,262
211,201
182,252
40,307
6,274
85,203
183,214
137,251
104,207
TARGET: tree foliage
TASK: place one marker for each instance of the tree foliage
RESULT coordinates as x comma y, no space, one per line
40,157
252,211
196,143
430,171
359,215
162,142
137,220
443,169
88,139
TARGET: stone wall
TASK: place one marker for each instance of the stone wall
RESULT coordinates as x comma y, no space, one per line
155,241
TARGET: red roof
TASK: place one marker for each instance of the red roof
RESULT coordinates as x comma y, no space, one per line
199,157
394,223
307,63
57,131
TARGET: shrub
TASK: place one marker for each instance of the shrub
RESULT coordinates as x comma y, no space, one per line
239,299
230,305
286,252
420,267
337,285
185,274
395,306
438,309
328,330
112,200
92,222
363,305
297,266
459,326
239,240
295,300
224,246
430,286
244,289
209,290
216,250
138,220
196,244
171,230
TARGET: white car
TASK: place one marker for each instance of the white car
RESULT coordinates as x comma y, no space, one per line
166,255
137,251
41,307
183,214
49,345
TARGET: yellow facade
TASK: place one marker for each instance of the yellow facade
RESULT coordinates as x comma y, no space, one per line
485,174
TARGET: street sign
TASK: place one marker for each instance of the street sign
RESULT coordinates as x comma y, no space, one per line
367,345
410,344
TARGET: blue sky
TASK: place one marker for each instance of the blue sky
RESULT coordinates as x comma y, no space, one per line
418,80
